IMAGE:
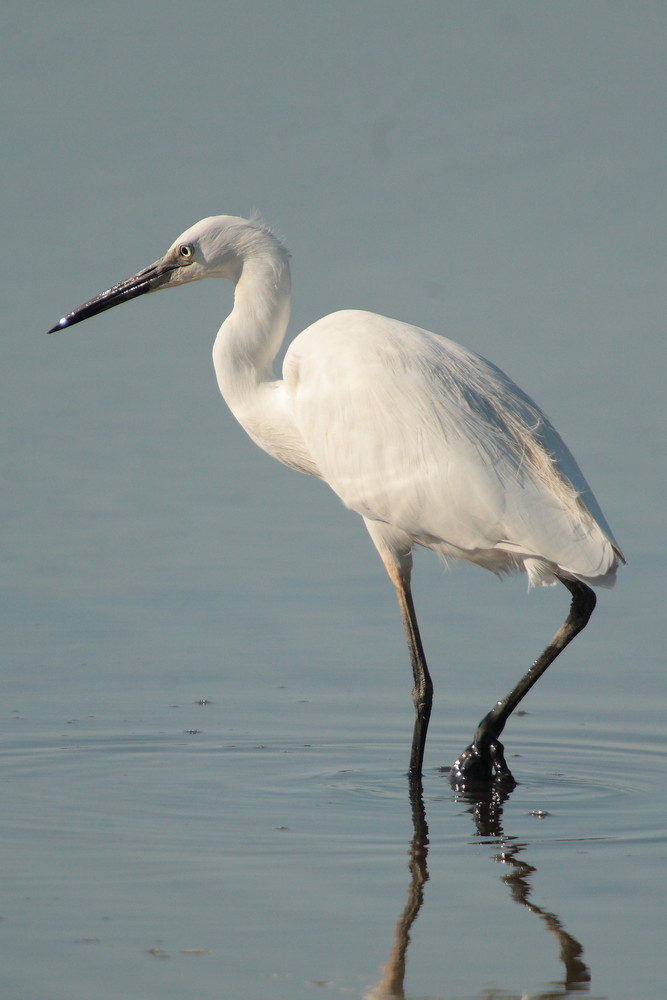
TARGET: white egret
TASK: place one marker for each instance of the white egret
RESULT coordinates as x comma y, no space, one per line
431,444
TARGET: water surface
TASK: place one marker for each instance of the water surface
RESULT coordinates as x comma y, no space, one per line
205,714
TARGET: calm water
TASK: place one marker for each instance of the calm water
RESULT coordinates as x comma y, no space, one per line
270,859
206,715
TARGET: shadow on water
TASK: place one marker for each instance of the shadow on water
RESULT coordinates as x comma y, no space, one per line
486,811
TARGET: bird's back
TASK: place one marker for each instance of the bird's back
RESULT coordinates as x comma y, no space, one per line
416,432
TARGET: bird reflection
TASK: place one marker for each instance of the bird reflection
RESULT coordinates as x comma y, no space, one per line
486,811
487,814
391,986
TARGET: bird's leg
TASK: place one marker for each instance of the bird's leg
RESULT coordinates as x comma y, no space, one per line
422,689
484,760
395,550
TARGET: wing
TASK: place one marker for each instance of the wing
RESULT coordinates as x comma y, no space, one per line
413,430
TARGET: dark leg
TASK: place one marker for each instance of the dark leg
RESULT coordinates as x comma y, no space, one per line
483,760
422,690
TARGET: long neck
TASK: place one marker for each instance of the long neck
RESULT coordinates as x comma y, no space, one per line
249,339
245,349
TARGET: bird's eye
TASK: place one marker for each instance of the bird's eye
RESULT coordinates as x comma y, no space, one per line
186,251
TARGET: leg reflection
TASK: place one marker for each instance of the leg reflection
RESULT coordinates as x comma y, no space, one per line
487,813
391,986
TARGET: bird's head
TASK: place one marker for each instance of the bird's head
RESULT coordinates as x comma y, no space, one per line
216,247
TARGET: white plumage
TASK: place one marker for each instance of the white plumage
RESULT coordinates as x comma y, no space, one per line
413,431
428,442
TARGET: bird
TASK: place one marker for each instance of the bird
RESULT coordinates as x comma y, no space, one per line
431,444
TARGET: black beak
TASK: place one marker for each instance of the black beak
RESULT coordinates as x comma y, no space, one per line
149,280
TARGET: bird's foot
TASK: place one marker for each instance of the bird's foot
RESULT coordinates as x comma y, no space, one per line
481,765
